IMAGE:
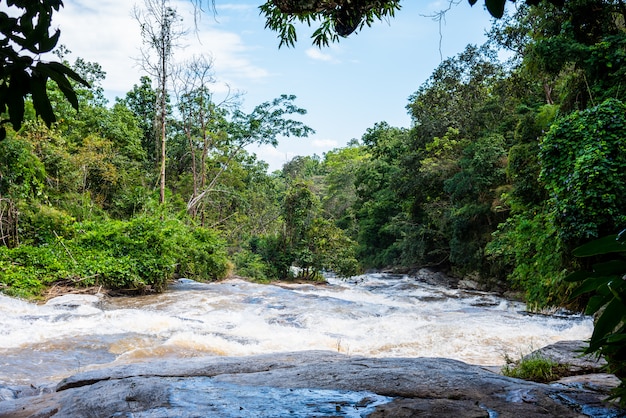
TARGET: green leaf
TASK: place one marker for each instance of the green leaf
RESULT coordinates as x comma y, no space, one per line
19,85
41,102
606,323
577,276
610,268
495,7
608,244
616,338
595,303
591,285
67,71
46,44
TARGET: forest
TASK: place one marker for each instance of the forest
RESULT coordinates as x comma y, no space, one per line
513,174
508,167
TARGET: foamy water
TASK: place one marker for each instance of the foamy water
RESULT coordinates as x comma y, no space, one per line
373,315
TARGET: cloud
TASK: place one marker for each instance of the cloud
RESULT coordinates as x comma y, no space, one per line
273,157
318,55
324,143
233,6
105,32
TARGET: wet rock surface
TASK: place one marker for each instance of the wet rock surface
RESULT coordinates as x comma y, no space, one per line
308,384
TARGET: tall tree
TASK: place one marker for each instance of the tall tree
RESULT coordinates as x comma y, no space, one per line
161,30
202,118
262,126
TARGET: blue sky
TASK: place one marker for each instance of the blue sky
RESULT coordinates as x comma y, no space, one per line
346,88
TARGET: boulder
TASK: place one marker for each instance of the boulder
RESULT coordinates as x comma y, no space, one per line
570,354
312,383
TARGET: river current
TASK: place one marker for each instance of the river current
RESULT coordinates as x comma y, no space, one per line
376,315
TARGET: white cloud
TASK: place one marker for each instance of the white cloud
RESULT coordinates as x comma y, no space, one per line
104,31
316,54
273,157
324,143
233,6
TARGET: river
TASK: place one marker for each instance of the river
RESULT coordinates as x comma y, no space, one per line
378,315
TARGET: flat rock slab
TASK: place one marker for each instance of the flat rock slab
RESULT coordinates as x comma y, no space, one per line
305,384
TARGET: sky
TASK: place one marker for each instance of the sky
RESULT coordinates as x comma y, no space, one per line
346,88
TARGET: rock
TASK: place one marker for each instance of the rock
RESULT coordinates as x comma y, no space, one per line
76,300
469,284
597,382
312,383
436,278
570,353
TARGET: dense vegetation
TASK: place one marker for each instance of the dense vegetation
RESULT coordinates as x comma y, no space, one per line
507,169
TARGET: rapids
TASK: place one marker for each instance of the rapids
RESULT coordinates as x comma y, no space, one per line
376,315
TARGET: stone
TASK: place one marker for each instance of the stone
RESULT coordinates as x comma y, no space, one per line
570,353
310,383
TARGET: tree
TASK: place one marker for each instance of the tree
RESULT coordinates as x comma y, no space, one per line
160,31
22,72
583,159
262,126
203,120
343,17
142,101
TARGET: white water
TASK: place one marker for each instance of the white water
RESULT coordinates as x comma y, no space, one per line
373,315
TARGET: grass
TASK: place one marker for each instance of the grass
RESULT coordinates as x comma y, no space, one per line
535,368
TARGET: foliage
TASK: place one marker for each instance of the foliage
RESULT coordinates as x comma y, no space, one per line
583,159
141,254
251,266
536,368
604,283
21,173
342,17
529,243
22,73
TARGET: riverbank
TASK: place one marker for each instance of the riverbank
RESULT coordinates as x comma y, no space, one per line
382,317
307,383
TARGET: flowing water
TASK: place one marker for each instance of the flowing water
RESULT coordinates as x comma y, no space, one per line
375,315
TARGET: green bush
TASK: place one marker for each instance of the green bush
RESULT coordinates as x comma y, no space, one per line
536,368
40,223
140,254
156,250
583,159
26,270
251,266
204,257
529,243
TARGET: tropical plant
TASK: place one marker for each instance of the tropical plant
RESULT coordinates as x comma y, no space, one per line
604,285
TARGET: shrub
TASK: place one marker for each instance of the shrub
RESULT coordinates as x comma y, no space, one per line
251,266
536,368
143,253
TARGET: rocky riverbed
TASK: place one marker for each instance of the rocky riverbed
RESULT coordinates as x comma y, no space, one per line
313,384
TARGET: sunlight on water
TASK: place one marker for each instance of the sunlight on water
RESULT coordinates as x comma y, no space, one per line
372,315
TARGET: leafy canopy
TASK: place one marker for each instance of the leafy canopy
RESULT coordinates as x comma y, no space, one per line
22,73
343,17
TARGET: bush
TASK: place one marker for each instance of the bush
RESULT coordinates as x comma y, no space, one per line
41,224
251,266
529,244
583,159
26,270
536,368
140,254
